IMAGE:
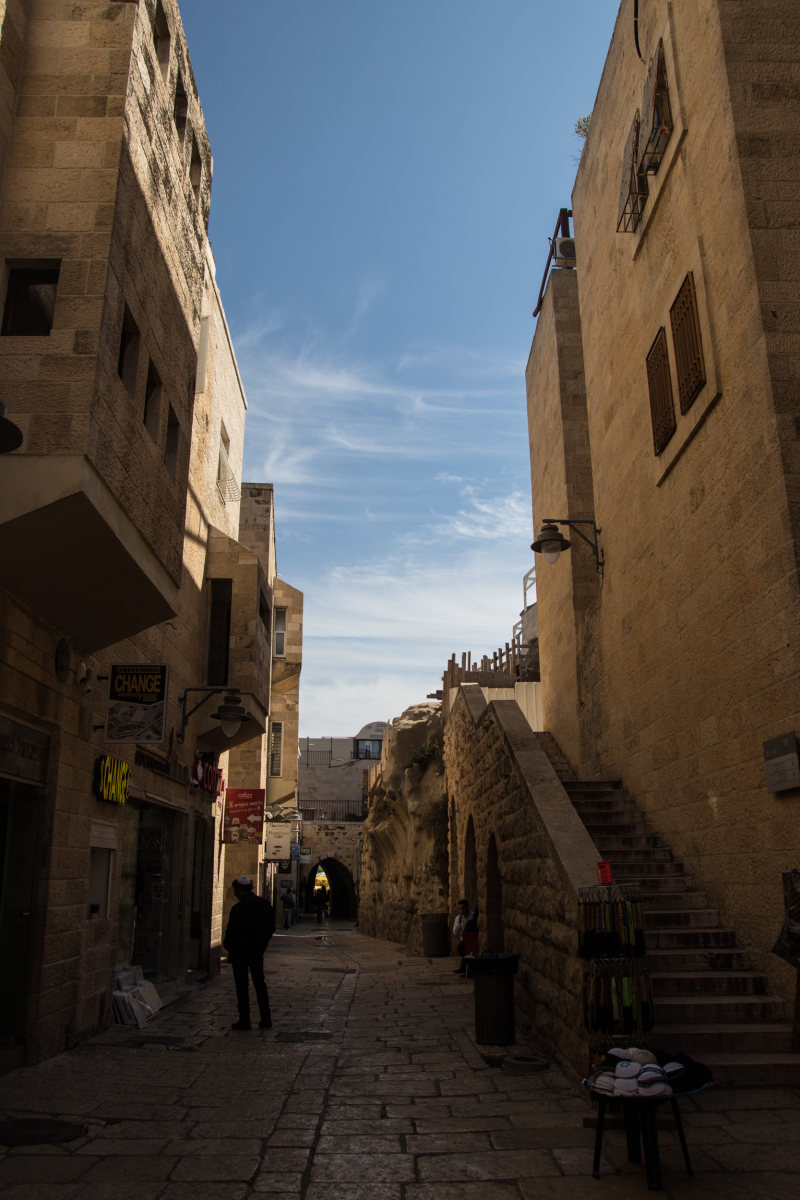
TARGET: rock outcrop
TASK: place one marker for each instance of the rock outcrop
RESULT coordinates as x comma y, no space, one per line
404,856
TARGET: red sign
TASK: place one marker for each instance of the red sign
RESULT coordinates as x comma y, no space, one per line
244,815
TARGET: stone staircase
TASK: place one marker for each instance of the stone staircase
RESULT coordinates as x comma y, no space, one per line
709,1001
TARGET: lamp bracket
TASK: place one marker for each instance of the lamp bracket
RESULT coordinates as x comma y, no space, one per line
207,693
593,541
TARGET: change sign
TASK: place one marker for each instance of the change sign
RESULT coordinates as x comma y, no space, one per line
137,701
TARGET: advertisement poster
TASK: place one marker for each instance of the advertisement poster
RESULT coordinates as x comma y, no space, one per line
279,844
301,853
244,815
137,702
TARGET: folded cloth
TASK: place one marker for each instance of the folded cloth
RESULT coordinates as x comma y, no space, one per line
603,1081
642,1056
673,1069
625,1052
626,1087
656,1089
651,1077
627,1070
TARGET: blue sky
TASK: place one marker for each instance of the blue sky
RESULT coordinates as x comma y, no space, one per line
386,177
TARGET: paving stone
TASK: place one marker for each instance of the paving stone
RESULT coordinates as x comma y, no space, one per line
500,1164
269,1182
355,1168
41,1169
212,1167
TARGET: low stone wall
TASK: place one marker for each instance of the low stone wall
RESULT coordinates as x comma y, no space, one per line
500,782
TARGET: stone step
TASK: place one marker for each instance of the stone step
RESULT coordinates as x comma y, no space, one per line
690,939
659,884
719,1010
701,959
732,1070
590,787
702,1040
642,870
611,843
680,918
672,900
634,854
707,983
602,828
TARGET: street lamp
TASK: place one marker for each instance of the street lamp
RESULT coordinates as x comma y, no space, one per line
230,714
551,540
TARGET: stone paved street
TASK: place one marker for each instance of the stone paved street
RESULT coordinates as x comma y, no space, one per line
369,1087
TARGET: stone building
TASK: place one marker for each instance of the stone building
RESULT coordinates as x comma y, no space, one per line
663,416
129,609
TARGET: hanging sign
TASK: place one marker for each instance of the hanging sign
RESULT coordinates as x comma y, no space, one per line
137,701
278,844
782,763
244,815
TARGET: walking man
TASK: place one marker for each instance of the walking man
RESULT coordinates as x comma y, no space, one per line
287,900
250,926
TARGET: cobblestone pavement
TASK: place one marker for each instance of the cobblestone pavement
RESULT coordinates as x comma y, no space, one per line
369,1087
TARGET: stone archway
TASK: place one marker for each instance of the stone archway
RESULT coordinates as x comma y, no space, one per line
342,905
495,943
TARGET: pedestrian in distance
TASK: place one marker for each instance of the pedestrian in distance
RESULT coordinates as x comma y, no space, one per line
320,902
288,903
250,926
465,931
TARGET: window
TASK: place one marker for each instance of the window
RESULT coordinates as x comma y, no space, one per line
367,748
196,171
227,486
161,40
219,631
633,192
180,110
275,747
279,650
656,126
662,409
30,300
129,343
689,362
152,403
172,443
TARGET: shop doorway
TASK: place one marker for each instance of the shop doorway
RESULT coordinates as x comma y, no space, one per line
21,825
151,929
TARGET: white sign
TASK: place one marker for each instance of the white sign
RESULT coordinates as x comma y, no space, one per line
278,844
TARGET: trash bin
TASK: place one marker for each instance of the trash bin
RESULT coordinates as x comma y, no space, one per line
494,997
435,935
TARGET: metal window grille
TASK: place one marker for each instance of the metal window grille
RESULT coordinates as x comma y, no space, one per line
275,746
659,381
689,362
633,192
656,125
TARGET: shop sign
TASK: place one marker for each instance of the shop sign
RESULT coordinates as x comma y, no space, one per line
279,844
301,853
244,815
111,777
23,752
782,763
207,775
137,703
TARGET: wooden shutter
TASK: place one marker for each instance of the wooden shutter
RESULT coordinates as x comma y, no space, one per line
689,362
659,381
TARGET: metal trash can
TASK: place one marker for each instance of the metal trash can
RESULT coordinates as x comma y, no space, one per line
435,935
494,997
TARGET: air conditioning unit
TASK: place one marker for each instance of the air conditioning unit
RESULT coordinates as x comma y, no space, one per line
564,252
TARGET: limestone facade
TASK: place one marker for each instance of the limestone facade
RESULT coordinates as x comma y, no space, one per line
663,389
119,520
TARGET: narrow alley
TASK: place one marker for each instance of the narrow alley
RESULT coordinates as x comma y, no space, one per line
369,1087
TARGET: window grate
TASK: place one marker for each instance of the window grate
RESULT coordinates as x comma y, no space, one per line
659,381
656,125
633,192
689,362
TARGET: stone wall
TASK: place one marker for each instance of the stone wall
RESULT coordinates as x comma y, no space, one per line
404,860
506,803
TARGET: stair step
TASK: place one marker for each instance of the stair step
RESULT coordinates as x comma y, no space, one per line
634,854
611,843
583,787
659,885
660,900
701,1040
679,918
754,1070
640,870
701,959
689,984
690,939
719,1010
